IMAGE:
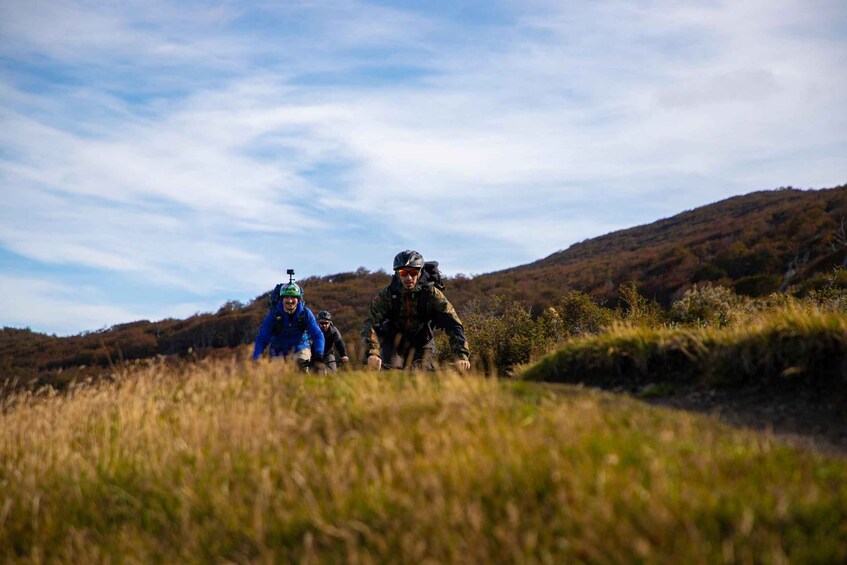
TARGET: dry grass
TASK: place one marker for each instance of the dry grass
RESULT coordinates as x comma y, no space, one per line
796,346
241,463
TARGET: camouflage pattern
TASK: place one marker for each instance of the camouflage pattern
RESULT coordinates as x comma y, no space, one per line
412,320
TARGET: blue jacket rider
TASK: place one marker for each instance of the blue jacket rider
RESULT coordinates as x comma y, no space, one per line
288,327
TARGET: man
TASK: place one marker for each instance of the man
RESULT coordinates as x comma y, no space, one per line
287,329
332,338
403,316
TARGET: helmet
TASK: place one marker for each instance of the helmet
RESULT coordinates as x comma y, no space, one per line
291,289
408,258
324,315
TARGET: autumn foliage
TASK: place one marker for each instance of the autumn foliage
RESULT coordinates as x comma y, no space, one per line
785,241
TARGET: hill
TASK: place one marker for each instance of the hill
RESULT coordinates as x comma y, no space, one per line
758,243
755,244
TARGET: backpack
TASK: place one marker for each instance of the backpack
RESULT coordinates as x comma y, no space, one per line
273,296
431,275
273,301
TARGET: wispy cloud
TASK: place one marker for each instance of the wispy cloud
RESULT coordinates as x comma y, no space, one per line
51,307
206,147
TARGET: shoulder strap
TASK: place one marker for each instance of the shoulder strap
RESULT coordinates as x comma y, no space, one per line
301,321
395,292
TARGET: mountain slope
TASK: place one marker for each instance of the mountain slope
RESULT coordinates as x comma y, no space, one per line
756,244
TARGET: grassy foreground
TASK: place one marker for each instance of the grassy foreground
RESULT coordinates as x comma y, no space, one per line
230,462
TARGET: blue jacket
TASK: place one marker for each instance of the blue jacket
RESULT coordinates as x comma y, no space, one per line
284,332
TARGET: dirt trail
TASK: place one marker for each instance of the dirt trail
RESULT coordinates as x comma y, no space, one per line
802,420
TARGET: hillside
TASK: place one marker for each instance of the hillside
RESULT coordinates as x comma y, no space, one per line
755,244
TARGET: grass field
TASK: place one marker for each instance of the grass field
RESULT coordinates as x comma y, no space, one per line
231,462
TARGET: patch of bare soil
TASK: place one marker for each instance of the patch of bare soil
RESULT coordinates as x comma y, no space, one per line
816,421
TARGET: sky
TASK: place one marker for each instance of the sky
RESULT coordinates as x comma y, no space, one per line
160,158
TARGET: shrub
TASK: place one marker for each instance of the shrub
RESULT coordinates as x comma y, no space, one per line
708,272
580,315
500,333
773,303
503,333
637,309
758,285
708,305
551,328
832,295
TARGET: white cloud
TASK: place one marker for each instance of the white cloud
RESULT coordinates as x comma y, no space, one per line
56,308
179,140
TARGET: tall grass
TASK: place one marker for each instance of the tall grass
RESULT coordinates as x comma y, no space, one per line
242,463
786,348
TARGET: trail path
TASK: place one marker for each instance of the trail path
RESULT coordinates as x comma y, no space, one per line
806,421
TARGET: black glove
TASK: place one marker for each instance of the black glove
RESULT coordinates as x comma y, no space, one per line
317,358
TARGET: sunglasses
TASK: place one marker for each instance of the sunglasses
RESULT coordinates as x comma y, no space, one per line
408,272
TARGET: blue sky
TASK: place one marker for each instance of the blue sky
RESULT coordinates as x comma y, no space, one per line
158,158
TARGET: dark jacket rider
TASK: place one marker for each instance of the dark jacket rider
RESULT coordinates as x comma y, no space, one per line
403,316
332,339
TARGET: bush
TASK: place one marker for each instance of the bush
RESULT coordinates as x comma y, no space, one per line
551,328
708,305
501,334
758,285
637,310
708,272
773,303
832,295
580,315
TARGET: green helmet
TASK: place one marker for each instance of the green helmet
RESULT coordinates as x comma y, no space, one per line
291,289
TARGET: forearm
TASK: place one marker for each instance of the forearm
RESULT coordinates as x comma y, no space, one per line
448,319
459,343
370,341
262,339
341,347
376,314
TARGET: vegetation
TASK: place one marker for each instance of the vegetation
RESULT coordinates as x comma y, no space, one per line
227,461
754,244
785,240
794,348
159,442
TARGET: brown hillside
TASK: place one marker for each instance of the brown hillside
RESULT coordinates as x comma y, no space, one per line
757,243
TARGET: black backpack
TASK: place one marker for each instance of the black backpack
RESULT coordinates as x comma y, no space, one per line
431,275
273,301
273,296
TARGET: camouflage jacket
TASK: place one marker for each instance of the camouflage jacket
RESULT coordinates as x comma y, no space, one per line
412,318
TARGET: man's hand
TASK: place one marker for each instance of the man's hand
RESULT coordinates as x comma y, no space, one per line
463,365
374,362
344,359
